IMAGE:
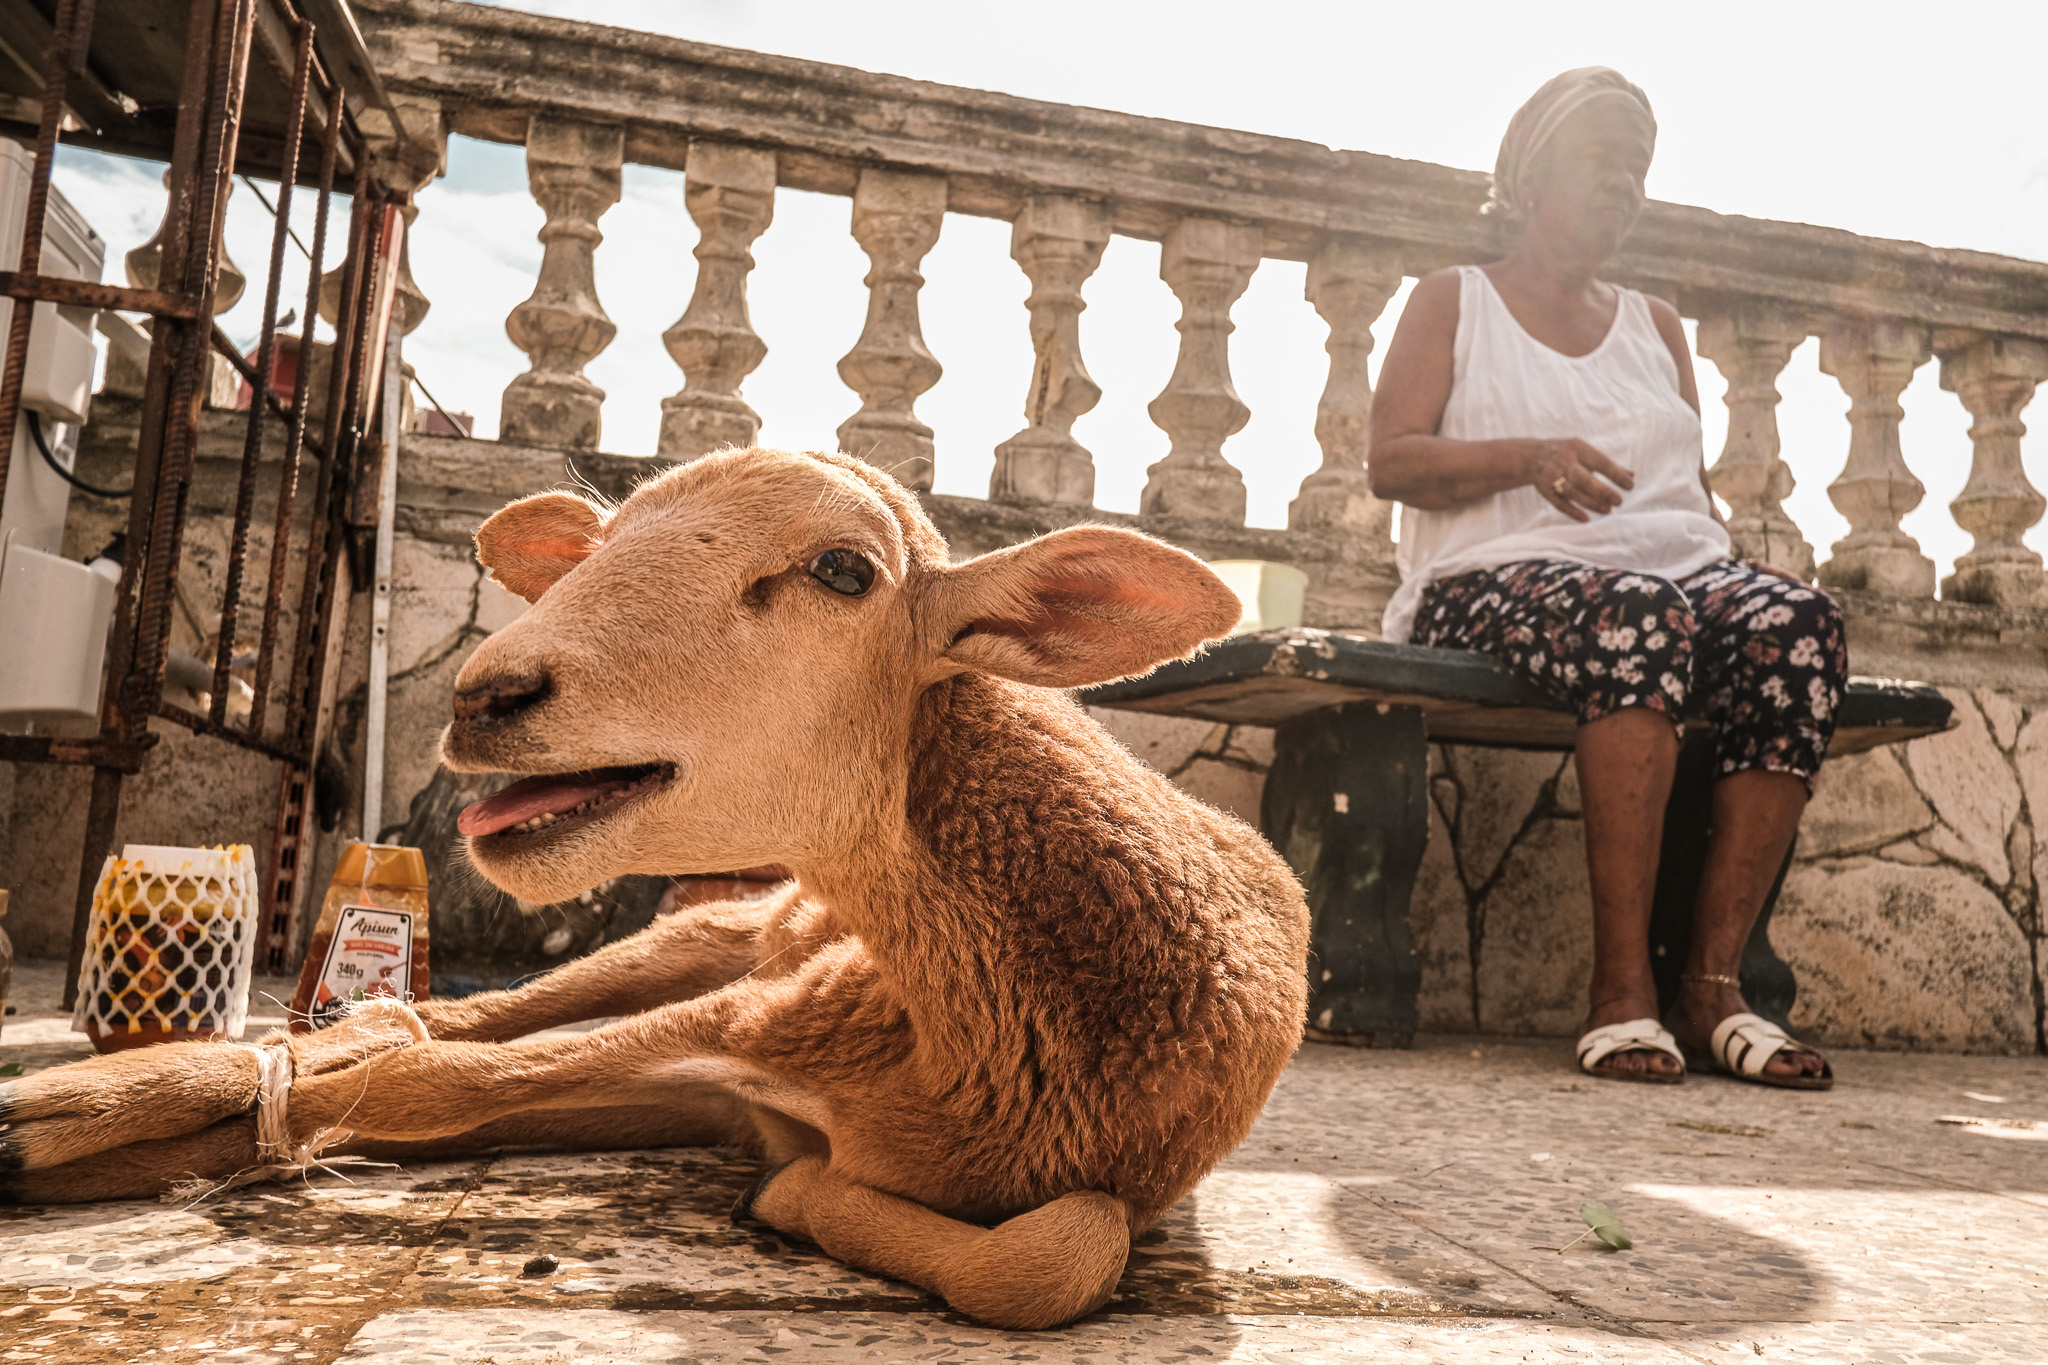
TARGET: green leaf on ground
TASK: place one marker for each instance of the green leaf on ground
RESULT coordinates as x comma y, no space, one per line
1600,1222
1606,1226
11,1069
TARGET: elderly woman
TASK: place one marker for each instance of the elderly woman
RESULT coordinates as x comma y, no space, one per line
1541,428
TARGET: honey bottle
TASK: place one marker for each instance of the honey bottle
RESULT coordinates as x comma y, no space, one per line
371,937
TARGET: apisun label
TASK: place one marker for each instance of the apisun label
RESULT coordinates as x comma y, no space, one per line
370,954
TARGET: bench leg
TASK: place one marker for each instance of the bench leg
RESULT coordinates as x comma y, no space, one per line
1347,804
1767,980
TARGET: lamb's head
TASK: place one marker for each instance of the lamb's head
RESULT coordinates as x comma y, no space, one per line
723,671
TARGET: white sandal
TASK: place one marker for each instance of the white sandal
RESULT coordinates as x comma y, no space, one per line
1743,1045
1637,1035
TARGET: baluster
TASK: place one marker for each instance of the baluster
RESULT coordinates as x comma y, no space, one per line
1750,345
1995,378
896,220
1059,243
730,192
408,153
573,169
1207,264
1874,360
143,264
1349,283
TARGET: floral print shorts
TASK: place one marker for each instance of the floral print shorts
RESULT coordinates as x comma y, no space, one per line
1761,657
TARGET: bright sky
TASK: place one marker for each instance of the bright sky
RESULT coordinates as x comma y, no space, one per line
1886,118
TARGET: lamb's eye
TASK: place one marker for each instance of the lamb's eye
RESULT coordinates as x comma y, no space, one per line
845,571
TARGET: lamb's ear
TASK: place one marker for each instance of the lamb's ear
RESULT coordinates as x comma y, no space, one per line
1079,606
531,543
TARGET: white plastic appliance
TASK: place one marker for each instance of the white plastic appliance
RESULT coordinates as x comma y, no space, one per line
54,612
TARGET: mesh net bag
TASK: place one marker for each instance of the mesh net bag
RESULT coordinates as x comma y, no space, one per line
168,949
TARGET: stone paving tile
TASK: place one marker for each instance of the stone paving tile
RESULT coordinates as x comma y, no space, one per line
1864,1343
263,1266
607,1338
1389,1206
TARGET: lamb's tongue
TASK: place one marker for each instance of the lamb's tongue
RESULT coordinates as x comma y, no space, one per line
531,796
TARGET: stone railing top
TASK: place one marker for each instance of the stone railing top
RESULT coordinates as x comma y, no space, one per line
493,68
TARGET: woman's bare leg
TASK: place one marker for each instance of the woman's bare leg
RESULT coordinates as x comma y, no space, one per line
1756,813
1626,761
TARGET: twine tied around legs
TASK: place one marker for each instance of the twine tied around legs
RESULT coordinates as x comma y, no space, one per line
276,1153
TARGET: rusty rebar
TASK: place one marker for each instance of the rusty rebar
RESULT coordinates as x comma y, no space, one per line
233,29
165,340
287,864
56,80
259,404
300,718
224,347
101,811
295,431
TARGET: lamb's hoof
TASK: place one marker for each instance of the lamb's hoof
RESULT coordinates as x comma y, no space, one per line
83,1108
743,1207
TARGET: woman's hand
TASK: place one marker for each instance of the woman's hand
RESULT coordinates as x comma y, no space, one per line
1775,571
1575,478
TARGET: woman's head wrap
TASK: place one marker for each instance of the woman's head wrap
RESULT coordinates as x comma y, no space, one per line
1536,122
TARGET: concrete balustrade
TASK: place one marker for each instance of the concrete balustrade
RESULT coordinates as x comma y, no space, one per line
740,125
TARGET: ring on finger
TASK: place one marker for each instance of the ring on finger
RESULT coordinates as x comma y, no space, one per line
1559,485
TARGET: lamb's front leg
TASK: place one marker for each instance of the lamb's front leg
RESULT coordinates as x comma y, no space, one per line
374,1076
73,1111
435,1089
678,956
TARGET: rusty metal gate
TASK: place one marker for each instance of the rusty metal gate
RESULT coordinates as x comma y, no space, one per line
259,87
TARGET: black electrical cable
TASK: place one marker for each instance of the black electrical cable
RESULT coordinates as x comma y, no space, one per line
454,427
35,433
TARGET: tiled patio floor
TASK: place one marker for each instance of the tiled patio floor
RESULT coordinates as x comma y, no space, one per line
1390,1207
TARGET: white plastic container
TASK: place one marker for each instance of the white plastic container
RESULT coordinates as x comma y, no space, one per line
62,352
54,616
53,613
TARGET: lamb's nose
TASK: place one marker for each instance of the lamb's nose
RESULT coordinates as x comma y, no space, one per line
501,698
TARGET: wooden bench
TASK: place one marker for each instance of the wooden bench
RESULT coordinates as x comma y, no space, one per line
1347,798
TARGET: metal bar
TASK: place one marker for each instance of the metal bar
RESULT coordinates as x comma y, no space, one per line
273,209
206,725
98,751
378,696
295,432
277,27
200,274
23,284
224,347
316,634
266,356
288,862
355,267
56,77
101,811
169,341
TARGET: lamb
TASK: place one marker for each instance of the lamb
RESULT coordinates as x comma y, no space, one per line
1021,995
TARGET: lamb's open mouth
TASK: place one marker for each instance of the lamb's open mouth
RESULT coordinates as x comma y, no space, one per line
547,802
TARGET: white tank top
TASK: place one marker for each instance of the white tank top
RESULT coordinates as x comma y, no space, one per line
1621,397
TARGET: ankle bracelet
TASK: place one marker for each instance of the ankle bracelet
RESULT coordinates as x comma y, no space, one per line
1711,979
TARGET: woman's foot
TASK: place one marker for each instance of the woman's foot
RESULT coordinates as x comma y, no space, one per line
1635,1063
1699,1010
